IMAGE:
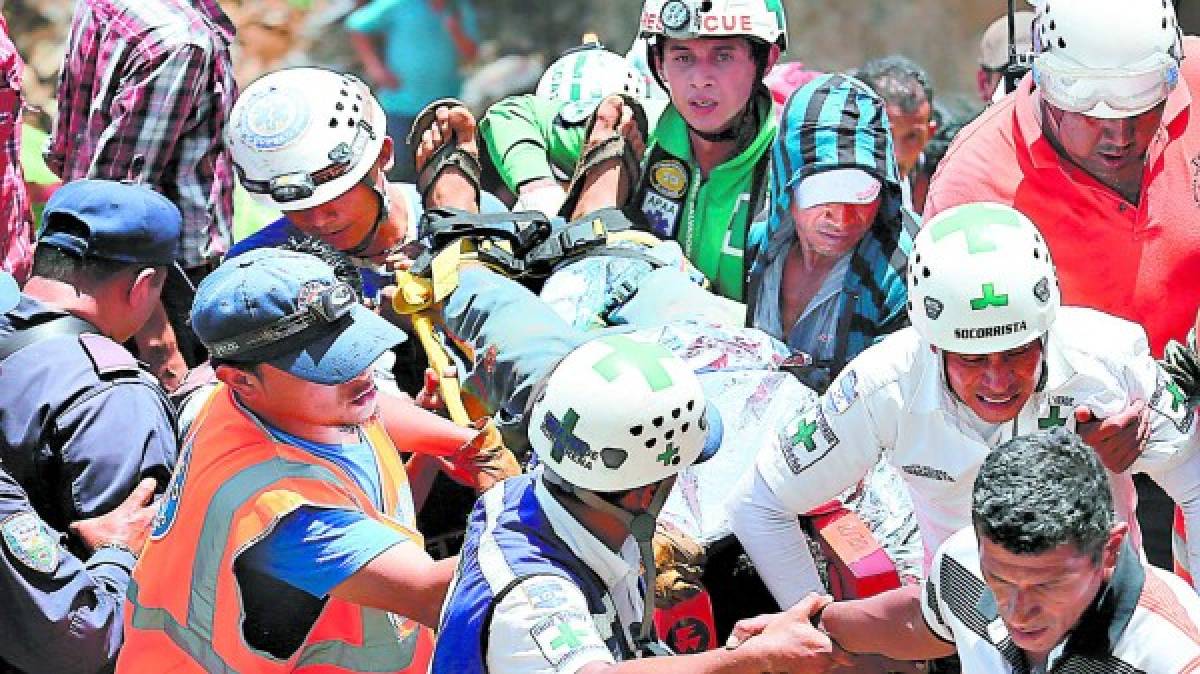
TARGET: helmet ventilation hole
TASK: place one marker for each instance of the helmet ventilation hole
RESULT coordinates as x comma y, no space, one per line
333,123
651,442
684,428
658,422
636,430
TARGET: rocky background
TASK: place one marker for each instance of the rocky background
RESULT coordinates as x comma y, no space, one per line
825,34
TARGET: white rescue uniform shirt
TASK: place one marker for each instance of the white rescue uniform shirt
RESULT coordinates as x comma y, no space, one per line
1144,620
893,400
517,644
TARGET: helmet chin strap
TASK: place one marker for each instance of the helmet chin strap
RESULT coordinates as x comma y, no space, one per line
379,186
641,526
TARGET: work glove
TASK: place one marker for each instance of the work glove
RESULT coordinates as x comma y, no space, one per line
679,562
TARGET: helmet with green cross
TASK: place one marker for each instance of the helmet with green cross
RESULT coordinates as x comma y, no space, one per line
762,20
586,75
980,280
618,413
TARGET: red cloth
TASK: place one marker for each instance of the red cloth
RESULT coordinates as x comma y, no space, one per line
162,70
785,78
1141,262
16,237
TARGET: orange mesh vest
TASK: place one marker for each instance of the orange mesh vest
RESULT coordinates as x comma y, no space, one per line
233,483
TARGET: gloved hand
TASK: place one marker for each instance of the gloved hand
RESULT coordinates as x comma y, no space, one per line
678,562
483,461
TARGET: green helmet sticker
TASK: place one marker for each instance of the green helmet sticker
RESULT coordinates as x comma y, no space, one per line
644,357
562,435
989,299
670,455
975,224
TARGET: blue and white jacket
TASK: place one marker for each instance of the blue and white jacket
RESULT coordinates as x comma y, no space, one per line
535,591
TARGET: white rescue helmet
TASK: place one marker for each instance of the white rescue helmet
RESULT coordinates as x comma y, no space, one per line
980,280
618,413
584,76
764,20
301,137
1107,58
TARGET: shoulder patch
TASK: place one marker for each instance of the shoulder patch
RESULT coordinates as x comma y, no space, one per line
842,393
669,178
1170,401
662,214
107,356
31,541
807,439
562,636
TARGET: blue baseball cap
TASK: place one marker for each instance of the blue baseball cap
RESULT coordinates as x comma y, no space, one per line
10,294
288,310
124,222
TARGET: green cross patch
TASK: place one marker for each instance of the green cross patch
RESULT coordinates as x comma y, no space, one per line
804,435
1051,420
1177,396
567,637
990,298
642,357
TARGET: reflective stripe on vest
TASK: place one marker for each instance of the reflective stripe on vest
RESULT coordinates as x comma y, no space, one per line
196,637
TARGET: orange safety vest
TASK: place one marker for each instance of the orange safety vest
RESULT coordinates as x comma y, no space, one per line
184,611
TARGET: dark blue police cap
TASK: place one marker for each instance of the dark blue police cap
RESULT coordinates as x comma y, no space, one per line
124,222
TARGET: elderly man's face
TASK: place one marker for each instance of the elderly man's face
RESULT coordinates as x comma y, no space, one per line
1113,151
911,131
832,230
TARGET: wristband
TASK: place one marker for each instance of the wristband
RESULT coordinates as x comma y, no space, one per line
115,546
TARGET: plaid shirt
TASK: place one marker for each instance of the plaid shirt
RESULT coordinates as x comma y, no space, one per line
144,94
16,244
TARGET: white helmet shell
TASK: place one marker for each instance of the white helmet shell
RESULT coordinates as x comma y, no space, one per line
618,413
690,19
980,280
1120,50
587,75
301,137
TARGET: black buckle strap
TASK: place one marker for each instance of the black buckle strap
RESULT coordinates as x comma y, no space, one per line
67,325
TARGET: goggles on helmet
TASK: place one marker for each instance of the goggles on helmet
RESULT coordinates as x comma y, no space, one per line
343,158
324,308
1125,92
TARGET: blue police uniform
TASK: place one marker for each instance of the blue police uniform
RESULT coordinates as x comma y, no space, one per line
61,613
80,422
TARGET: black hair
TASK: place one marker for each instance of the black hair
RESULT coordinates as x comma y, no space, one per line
343,269
52,262
1037,492
899,81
